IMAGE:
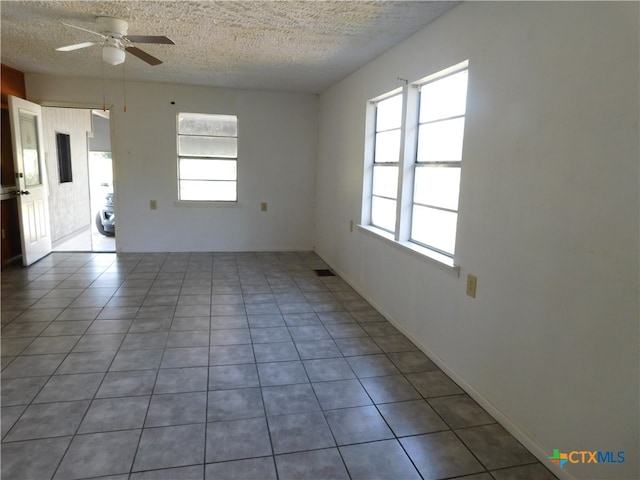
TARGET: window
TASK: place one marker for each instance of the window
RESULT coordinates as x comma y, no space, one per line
386,159
207,157
63,143
438,159
415,163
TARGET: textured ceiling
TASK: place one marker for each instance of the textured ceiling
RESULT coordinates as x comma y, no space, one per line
300,46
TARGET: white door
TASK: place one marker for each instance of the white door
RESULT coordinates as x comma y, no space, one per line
31,182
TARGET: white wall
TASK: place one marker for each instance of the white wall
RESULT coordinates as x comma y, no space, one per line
548,219
276,162
68,202
101,139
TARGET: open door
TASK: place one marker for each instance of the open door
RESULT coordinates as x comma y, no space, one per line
31,182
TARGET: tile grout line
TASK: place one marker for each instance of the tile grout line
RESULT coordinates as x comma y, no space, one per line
206,411
264,404
144,421
73,436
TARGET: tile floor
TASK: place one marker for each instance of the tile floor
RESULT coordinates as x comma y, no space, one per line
87,240
213,366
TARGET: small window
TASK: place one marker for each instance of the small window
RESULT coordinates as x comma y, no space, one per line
386,159
63,142
207,157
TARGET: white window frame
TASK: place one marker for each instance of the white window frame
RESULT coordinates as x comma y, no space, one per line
452,163
206,157
401,236
385,163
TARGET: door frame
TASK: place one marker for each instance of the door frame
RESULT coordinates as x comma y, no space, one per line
94,106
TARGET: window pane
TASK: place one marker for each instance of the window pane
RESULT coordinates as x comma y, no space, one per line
434,228
385,181
444,98
387,147
437,186
208,146
383,213
441,141
63,147
197,169
208,190
30,158
204,124
389,113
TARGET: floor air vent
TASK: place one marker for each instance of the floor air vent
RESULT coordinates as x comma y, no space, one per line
323,272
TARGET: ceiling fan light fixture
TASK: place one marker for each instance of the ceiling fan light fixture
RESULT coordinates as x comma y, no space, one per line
113,55
116,43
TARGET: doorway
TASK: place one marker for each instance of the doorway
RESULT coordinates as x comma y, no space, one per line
82,212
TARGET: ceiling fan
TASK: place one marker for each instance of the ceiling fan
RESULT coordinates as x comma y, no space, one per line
115,41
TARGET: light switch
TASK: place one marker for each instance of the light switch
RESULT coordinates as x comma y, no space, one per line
153,204
263,207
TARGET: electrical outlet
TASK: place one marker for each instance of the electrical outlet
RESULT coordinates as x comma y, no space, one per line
472,281
153,204
263,207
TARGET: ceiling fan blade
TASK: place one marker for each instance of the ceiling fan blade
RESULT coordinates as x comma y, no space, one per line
150,39
83,29
77,46
144,56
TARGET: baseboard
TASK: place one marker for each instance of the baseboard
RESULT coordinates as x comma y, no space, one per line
511,427
10,262
294,249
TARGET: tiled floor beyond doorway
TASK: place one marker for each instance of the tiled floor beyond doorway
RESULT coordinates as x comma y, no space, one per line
87,240
214,366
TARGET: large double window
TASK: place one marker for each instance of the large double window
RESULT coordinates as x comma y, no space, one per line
207,157
416,161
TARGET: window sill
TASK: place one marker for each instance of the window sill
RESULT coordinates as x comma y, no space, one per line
198,203
418,251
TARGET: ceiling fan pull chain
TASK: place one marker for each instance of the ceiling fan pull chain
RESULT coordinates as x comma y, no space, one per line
104,103
124,83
